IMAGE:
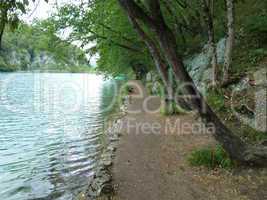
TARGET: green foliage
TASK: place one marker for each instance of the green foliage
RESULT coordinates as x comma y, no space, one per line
106,26
211,157
251,135
117,45
40,39
10,13
215,99
149,87
257,25
81,69
4,67
251,37
256,55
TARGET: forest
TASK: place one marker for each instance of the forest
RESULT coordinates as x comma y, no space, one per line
36,47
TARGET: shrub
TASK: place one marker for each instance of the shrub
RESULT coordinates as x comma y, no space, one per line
252,135
215,99
257,24
211,158
257,55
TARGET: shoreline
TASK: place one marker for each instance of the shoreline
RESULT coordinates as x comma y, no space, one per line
140,166
101,186
43,72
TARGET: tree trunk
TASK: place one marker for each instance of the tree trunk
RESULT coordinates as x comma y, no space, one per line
236,148
229,41
2,25
171,103
208,17
156,55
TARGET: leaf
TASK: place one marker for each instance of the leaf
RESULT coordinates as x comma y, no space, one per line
21,7
14,22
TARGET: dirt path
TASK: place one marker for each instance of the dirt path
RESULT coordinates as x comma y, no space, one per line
151,163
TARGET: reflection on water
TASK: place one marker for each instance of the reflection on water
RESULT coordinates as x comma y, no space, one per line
50,128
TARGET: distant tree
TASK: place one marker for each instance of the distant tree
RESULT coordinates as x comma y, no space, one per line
10,13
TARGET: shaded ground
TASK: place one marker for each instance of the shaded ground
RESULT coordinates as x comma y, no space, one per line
151,163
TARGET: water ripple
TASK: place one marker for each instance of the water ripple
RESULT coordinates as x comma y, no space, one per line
49,149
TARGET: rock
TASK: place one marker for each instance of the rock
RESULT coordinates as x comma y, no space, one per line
106,160
149,77
99,185
114,139
112,148
243,84
156,88
107,188
198,65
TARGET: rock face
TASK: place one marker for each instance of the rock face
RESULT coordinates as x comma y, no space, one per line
199,67
43,60
251,90
24,59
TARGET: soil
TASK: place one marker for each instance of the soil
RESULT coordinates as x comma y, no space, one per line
151,163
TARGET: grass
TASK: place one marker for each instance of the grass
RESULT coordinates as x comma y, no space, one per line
211,157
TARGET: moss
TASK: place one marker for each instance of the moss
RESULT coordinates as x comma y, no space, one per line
211,158
215,99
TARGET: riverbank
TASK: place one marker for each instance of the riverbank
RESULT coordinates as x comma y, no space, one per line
85,69
151,161
100,185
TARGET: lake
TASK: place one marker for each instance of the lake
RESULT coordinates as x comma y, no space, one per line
50,132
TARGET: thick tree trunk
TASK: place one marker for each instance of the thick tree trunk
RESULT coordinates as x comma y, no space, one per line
229,41
208,17
236,148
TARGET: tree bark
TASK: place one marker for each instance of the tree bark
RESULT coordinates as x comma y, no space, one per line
163,70
156,55
208,17
2,28
229,41
3,21
237,149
